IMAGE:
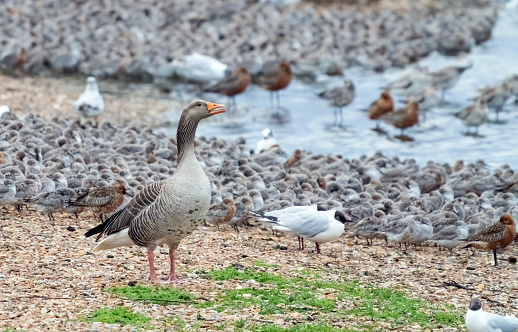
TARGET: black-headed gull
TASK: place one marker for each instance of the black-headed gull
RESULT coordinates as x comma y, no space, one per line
308,222
477,320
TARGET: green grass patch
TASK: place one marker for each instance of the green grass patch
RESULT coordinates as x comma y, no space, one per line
304,292
297,328
261,263
120,316
230,272
394,306
153,294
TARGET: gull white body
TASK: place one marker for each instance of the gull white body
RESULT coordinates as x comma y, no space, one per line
90,102
308,223
481,321
266,142
201,68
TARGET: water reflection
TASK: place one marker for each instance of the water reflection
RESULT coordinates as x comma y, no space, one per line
306,122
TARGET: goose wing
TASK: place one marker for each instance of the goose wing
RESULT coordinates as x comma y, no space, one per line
139,206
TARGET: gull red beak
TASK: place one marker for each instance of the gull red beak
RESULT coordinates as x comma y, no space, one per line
215,108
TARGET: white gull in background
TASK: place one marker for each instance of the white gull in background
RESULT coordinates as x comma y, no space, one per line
90,102
200,68
266,142
4,109
477,320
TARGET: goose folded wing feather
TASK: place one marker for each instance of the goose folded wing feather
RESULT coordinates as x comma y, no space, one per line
141,204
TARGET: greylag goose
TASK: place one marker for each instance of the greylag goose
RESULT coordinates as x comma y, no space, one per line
165,211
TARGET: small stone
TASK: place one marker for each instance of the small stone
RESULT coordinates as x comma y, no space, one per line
132,283
471,268
247,296
71,229
110,256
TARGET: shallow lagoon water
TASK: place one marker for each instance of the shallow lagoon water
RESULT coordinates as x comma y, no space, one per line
306,122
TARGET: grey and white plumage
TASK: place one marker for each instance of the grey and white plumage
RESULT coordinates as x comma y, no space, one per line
340,96
90,102
450,235
478,320
166,211
411,84
447,77
474,115
51,202
266,142
306,222
7,192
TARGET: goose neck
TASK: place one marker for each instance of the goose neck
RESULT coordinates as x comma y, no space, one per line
185,138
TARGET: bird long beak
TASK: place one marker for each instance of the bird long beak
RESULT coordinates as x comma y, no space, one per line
215,108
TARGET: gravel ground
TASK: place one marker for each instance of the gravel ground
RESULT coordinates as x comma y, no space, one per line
49,279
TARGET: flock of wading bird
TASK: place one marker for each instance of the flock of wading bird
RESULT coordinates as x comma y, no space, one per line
421,90
153,190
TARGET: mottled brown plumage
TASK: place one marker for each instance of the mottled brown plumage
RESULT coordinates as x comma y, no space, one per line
293,159
104,199
497,236
221,213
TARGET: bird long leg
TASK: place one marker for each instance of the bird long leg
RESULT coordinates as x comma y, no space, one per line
76,215
476,130
302,243
298,238
494,255
271,99
318,247
377,124
278,99
497,113
172,274
402,132
152,272
335,112
341,116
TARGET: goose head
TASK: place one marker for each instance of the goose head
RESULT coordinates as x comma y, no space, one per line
201,109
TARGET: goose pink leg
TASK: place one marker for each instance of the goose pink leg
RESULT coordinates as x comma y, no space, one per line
152,272
172,274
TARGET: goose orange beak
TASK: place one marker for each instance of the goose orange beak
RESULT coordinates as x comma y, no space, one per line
215,108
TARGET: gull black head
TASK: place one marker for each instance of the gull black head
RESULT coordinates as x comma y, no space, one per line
341,217
475,304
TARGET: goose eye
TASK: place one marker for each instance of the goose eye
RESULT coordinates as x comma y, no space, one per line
199,104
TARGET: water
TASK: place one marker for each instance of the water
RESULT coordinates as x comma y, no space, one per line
309,121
